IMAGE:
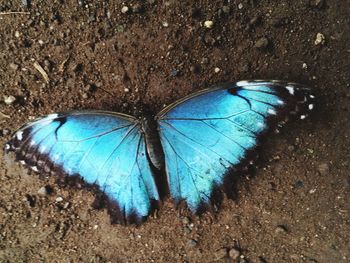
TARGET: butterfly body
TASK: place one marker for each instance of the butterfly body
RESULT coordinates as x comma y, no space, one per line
196,141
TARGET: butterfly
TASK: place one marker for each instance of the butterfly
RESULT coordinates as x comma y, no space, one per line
196,140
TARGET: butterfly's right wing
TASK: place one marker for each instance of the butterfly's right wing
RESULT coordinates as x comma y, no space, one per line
209,132
105,149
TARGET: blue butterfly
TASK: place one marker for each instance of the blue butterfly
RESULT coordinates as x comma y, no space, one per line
202,137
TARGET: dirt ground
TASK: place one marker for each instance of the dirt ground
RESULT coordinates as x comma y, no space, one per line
97,56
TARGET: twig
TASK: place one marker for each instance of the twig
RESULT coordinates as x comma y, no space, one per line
14,13
3,116
41,71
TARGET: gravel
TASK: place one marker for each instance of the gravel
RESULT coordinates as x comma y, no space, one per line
221,253
262,43
208,24
234,253
320,39
323,168
9,99
192,243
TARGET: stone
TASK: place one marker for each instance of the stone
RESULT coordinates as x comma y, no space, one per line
262,43
234,253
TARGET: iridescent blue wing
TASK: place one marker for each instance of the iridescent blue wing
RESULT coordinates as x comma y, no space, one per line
206,134
105,149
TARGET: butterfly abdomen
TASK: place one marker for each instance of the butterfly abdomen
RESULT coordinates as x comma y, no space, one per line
154,147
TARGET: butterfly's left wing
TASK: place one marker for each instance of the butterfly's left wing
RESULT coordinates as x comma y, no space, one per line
205,134
105,149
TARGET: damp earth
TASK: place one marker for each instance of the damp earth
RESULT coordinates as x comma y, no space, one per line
138,56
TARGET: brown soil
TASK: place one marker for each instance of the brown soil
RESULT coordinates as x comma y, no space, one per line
295,208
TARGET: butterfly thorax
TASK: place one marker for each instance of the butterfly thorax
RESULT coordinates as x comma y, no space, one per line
153,144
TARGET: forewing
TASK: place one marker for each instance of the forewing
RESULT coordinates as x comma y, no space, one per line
106,150
209,132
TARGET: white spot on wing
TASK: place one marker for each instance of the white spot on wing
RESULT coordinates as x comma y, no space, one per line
302,117
7,146
290,89
271,111
32,142
280,102
55,158
311,106
19,135
242,83
52,116
312,96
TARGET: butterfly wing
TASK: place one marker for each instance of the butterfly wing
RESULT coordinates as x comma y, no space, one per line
105,149
207,133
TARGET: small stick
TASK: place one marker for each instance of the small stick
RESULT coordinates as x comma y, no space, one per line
3,116
41,71
14,13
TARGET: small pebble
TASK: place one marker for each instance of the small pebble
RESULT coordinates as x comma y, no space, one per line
216,70
209,24
5,132
120,28
320,39
9,99
246,68
13,66
59,199
174,73
271,186
43,191
25,3
262,43
291,148
242,260
66,205
299,184
240,6
136,8
17,34
165,24
312,191
323,169
316,3
208,39
234,253
281,229
226,9
109,14
221,253
125,9
192,243
186,220
205,61
187,230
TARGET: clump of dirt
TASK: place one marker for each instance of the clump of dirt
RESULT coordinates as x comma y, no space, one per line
124,56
